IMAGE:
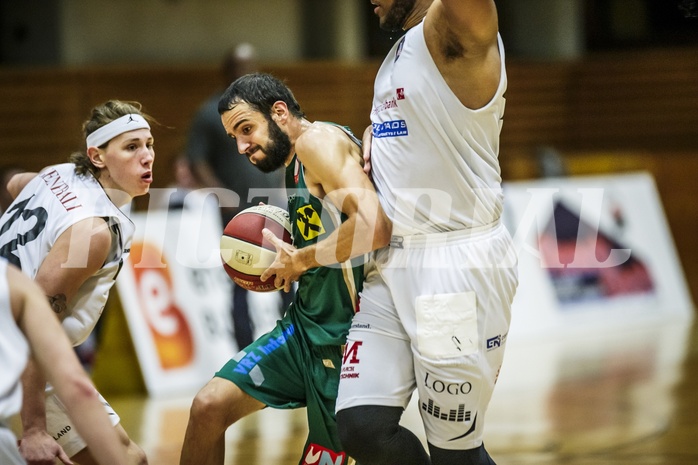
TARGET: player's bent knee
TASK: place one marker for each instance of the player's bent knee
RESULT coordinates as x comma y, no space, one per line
204,404
208,407
476,456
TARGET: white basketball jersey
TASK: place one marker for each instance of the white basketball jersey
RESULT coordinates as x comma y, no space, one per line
14,352
434,161
52,202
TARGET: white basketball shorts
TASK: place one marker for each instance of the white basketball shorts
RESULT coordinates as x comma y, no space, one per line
63,430
434,315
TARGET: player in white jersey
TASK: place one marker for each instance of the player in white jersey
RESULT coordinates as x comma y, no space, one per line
28,323
66,230
435,316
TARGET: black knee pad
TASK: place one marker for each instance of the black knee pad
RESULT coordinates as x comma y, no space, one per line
477,456
367,428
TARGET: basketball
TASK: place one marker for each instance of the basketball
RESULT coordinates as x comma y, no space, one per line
244,252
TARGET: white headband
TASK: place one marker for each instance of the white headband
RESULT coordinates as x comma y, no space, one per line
119,126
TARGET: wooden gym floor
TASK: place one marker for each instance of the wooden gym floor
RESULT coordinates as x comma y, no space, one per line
627,398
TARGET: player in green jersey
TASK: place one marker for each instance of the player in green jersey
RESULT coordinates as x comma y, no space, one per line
337,220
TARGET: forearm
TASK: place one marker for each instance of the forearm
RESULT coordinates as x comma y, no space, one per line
33,413
475,20
57,360
353,238
85,410
357,236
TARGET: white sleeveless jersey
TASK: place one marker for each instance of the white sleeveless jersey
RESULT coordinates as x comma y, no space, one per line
434,161
52,202
14,352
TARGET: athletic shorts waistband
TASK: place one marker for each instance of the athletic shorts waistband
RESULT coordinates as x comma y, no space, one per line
435,239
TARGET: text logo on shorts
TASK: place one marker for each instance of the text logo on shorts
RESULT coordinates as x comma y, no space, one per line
350,360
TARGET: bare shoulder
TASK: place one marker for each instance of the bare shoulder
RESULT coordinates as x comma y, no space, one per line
328,155
473,24
326,141
320,132
18,182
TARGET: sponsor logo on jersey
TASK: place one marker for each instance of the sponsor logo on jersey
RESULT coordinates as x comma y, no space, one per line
398,52
360,326
394,128
388,104
308,222
318,455
391,102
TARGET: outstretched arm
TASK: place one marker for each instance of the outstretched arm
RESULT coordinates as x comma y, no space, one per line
473,22
462,39
37,445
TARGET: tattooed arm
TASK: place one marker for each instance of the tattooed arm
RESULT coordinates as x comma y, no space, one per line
77,255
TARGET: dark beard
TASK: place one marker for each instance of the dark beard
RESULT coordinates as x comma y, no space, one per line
396,17
276,150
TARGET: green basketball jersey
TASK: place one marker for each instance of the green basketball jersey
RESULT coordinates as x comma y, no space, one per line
327,297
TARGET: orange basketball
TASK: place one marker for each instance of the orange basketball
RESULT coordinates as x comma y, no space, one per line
244,252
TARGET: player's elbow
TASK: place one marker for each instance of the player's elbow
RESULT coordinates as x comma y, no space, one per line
76,387
382,231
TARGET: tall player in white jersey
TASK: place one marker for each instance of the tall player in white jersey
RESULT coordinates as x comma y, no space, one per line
28,324
65,229
435,316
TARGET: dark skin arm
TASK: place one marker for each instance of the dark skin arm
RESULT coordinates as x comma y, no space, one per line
462,38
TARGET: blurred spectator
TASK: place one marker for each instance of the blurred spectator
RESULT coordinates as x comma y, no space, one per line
216,162
184,183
